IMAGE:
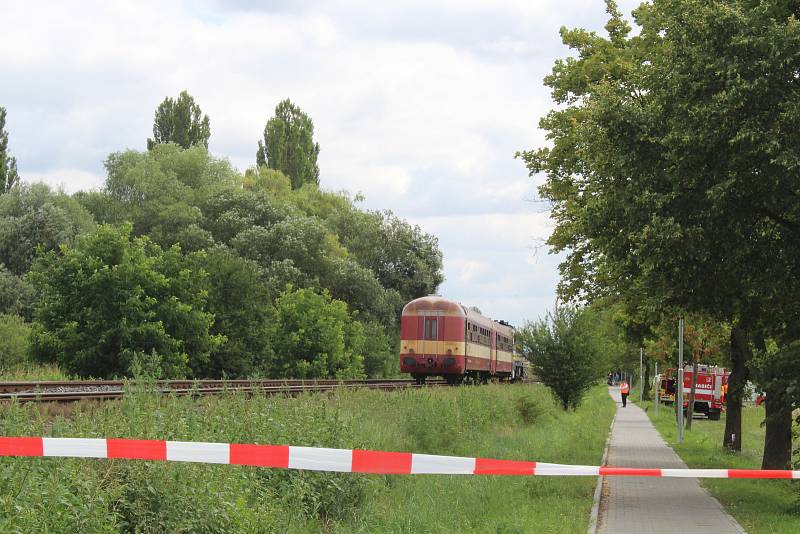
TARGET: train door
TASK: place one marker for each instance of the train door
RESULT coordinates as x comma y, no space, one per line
432,334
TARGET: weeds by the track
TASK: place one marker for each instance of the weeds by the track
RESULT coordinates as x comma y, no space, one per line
760,506
31,372
500,421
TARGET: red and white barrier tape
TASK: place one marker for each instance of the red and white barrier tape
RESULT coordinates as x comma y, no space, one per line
341,460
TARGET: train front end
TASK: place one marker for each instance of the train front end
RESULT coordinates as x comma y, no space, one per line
432,338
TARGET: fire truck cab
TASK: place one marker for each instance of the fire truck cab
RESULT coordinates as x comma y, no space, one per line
710,390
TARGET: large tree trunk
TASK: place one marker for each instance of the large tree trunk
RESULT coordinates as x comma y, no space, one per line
778,420
740,354
692,392
778,432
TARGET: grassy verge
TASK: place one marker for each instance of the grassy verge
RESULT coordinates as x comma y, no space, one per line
499,421
760,506
31,372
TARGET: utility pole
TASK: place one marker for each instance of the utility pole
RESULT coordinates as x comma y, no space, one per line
656,386
641,381
679,385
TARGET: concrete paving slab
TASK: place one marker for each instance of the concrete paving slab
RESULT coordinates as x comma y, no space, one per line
653,505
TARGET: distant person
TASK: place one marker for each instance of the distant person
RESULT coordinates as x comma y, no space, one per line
760,399
624,389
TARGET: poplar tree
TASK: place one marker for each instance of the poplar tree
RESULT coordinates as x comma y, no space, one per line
180,121
289,146
8,164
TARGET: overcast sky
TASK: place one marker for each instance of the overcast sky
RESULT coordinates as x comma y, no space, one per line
419,105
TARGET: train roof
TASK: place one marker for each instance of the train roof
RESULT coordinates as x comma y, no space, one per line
438,305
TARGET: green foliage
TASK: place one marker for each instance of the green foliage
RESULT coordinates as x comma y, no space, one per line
289,146
110,298
180,121
564,353
33,216
8,164
531,410
609,339
240,304
654,150
241,240
269,180
380,351
14,341
30,371
356,285
160,191
16,294
314,336
402,257
230,211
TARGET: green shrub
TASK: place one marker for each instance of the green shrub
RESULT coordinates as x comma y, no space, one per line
564,353
14,341
315,336
530,411
111,297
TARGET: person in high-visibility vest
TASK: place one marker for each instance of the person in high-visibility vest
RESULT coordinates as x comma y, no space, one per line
624,389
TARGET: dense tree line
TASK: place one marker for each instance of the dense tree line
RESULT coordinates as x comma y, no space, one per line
180,265
672,172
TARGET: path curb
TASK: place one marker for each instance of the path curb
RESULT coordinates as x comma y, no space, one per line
593,521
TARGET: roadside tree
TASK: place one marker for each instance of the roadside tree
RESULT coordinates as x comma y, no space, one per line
672,166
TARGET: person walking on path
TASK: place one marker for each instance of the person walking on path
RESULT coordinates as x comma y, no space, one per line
624,389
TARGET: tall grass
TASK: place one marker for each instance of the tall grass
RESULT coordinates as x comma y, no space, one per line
512,422
32,372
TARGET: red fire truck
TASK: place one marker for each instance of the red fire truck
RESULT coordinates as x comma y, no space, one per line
709,398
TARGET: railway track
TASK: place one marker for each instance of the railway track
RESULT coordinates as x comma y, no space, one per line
77,390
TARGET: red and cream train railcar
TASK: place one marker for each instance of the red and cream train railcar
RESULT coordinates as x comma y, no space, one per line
440,337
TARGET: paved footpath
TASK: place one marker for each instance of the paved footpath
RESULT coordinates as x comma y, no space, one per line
650,505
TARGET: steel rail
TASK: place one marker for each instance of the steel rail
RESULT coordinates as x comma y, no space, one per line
50,391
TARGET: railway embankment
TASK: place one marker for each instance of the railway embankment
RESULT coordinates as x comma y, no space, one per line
518,422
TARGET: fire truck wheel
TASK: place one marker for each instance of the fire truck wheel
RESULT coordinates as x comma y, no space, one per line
713,416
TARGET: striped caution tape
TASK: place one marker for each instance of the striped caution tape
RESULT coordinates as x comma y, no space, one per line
340,460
